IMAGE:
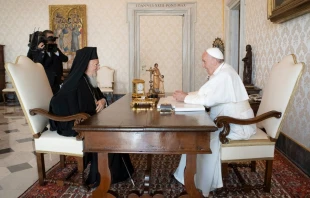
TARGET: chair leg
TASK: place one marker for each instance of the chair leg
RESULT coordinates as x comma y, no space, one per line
41,168
112,97
80,165
268,174
3,96
253,166
62,161
224,170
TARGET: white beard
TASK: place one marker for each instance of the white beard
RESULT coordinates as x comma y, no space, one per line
93,81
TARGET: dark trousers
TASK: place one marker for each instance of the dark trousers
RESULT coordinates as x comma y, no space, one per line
55,88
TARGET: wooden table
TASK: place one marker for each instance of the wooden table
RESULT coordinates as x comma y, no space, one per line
121,129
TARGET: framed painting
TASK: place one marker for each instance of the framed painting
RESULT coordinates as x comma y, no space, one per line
68,22
279,11
219,44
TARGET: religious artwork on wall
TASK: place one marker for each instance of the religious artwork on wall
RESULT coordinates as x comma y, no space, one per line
279,11
219,44
68,22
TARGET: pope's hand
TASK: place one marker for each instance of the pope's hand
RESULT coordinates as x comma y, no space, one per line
179,95
100,105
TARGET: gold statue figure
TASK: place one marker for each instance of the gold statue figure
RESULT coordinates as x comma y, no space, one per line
156,80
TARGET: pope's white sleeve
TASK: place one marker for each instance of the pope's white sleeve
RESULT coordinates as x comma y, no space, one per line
214,92
194,99
191,93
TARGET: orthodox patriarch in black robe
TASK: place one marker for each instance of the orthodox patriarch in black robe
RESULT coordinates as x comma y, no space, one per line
78,95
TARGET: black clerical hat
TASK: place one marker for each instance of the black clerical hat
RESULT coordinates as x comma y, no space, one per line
94,54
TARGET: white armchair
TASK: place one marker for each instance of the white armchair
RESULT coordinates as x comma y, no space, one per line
277,93
34,93
105,80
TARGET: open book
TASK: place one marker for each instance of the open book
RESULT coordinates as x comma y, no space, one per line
179,106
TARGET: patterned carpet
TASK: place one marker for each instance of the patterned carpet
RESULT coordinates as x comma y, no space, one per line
287,180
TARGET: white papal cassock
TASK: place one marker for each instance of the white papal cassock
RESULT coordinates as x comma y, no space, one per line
225,93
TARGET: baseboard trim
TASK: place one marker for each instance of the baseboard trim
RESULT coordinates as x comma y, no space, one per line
308,149
299,155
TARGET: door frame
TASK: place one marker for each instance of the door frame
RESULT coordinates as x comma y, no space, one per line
231,17
188,11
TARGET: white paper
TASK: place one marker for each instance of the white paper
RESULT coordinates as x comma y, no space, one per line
179,106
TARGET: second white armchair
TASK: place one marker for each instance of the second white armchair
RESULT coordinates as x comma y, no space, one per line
105,80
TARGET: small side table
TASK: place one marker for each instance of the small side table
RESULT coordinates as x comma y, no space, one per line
254,105
252,90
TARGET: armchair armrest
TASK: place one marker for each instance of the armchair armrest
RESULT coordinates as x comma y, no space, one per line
224,121
77,118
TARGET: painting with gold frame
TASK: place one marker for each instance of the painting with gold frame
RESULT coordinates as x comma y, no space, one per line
219,44
279,11
68,22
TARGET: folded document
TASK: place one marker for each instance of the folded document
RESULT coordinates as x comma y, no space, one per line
179,106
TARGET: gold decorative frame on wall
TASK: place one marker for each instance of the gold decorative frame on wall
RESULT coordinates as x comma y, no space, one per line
219,44
279,11
68,22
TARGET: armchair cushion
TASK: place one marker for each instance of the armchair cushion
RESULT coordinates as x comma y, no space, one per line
106,89
8,90
50,141
257,147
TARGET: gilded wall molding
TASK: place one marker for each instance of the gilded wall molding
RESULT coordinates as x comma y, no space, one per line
287,10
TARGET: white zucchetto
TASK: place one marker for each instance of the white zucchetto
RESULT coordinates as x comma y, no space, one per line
215,52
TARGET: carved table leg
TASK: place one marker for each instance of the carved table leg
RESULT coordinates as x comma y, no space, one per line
147,181
253,166
105,181
62,161
147,177
189,173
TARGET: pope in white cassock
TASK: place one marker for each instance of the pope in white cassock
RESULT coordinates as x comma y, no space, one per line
225,94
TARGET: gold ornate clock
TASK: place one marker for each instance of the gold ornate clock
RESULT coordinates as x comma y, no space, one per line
138,88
